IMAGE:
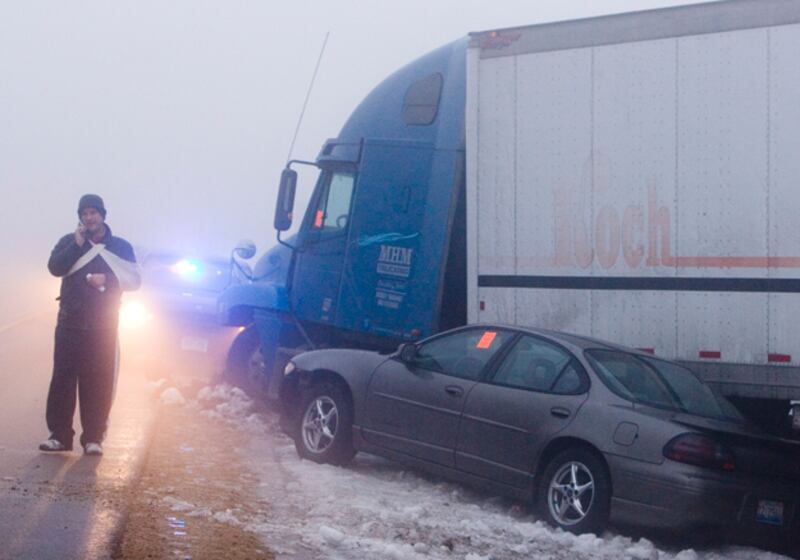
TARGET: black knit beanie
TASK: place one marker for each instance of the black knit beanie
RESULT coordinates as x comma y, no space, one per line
93,201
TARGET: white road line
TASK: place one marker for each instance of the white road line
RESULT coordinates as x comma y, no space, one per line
22,321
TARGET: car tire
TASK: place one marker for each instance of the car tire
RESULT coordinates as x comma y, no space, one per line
575,492
324,428
244,366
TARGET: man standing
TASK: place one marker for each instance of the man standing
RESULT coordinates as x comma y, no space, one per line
95,268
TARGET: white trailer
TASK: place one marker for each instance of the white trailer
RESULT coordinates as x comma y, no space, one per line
636,178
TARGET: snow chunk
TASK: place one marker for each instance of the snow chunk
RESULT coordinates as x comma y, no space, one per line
421,548
199,512
229,403
171,396
153,386
643,550
226,517
331,535
222,392
398,552
414,511
177,505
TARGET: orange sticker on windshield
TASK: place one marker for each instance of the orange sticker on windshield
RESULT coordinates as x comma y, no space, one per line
486,340
318,219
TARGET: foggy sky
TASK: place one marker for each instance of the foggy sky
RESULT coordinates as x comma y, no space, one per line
180,113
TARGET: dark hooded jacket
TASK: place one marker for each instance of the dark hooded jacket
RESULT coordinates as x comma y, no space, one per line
83,306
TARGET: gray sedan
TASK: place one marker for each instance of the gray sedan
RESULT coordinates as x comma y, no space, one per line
590,430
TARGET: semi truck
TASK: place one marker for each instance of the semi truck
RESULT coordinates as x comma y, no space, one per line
632,177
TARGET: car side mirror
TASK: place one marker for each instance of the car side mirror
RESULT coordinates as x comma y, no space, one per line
795,412
245,249
407,352
285,205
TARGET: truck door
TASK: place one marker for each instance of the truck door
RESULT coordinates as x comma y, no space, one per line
315,288
392,265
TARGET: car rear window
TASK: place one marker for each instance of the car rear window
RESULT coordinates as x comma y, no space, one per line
659,383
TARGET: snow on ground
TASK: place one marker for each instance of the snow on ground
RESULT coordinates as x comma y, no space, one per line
377,509
172,396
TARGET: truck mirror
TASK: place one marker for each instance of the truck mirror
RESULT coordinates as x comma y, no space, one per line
407,352
285,205
245,249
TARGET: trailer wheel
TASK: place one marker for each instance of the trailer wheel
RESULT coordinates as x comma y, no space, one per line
245,366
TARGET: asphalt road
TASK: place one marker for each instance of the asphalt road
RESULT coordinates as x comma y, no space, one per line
63,505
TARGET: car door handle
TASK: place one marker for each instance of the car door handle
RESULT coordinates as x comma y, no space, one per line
454,390
560,412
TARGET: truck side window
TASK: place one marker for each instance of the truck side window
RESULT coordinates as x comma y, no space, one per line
333,212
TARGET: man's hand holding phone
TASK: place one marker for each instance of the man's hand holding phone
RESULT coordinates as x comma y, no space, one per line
80,234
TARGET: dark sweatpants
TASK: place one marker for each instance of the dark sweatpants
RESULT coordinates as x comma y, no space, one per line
86,360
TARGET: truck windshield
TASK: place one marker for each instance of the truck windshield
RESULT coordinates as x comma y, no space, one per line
659,383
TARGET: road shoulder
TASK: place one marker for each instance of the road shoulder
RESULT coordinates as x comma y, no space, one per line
195,497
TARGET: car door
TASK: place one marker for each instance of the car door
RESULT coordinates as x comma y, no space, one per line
414,407
534,394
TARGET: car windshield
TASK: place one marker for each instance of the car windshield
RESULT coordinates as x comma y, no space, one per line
659,383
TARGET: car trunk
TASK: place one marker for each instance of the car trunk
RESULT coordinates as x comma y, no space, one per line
755,453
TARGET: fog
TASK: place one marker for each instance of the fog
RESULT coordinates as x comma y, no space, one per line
180,114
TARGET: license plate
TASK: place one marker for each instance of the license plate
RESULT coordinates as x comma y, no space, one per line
770,512
194,344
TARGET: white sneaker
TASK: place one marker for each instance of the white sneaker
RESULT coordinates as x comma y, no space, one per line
53,444
92,448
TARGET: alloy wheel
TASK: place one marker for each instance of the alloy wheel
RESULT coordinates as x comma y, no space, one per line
256,367
319,425
571,493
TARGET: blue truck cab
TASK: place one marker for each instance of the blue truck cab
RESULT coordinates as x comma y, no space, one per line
380,255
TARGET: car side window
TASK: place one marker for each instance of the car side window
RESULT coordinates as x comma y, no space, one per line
572,380
461,354
539,365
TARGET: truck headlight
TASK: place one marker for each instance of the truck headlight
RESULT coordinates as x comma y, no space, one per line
290,367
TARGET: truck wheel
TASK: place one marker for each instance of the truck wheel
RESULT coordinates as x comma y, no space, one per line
324,433
245,365
575,492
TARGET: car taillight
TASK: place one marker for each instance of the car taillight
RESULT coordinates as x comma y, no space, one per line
700,450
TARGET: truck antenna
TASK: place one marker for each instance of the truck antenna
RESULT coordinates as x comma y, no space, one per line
308,94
